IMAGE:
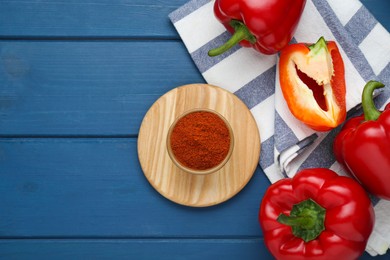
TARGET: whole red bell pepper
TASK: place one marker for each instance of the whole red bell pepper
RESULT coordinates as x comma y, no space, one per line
312,81
266,25
316,215
363,145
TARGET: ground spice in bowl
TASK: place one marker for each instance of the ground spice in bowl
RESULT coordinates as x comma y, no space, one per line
200,141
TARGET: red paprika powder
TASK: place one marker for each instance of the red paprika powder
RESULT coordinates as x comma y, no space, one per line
200,140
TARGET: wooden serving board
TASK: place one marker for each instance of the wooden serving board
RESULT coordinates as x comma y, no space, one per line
189,189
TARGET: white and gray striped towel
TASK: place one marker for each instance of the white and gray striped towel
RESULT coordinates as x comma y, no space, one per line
286,144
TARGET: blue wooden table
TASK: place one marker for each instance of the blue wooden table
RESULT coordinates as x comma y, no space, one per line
76,79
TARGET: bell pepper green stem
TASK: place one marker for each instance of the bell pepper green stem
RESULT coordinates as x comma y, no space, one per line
369,109
306,220
318,46
241,32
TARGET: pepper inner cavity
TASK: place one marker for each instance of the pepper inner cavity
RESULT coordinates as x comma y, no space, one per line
318,90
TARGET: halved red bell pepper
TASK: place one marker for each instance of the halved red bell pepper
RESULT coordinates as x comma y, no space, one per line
316,215
267,26
313,83
363,145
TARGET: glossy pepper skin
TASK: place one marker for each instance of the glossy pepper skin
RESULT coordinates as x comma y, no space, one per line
363,145
312,80
266,25
336,226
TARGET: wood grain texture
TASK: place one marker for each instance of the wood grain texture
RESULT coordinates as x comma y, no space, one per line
161,249
144,249
88,18
86,88
92,68
95,188
190,189
106,18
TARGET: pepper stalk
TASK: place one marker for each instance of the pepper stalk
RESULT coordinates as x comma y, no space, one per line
369,109
306,220
241,32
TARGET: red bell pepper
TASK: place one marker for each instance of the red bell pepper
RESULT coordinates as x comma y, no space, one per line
313,83
363,145
316,215
265,25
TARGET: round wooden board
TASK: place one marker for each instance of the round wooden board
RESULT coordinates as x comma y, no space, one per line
189,189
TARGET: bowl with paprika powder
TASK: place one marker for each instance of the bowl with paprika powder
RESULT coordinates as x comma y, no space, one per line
191,186
200,141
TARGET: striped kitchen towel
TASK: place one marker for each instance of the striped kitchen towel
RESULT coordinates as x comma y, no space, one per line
287,145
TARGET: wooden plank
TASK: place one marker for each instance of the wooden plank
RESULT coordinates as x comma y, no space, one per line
135,249
87,187
86,87
162,249
88,18
380,10
105,18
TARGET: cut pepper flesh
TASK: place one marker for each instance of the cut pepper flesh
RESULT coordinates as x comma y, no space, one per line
313,85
